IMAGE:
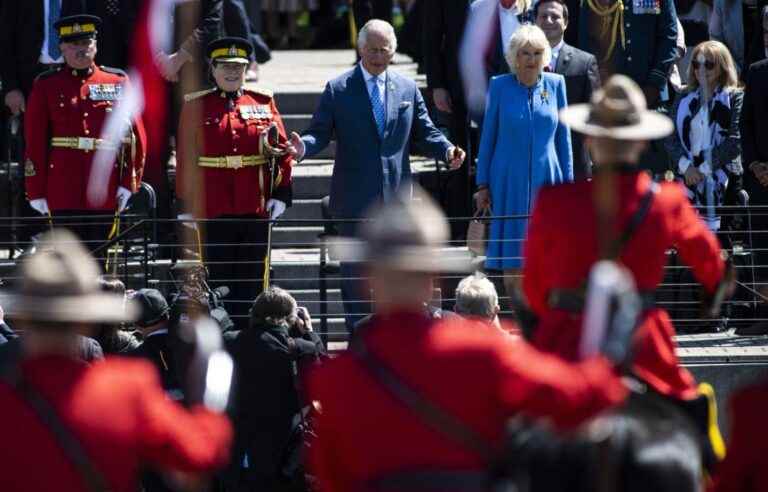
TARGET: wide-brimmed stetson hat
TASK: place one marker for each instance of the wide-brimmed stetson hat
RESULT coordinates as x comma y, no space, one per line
406,234
59,283
618,111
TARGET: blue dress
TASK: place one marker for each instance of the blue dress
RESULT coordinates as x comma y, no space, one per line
523,147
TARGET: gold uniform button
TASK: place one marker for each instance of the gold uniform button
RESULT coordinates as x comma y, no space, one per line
87,132
61,105
85,114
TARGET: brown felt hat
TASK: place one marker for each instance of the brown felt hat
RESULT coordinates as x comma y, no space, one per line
59,283
407,234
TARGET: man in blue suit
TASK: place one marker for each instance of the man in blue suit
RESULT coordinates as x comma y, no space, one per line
375,115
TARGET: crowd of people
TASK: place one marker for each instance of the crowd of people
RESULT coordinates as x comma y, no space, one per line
423,398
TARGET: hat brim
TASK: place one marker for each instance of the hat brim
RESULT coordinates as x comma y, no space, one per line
650,125
94,308
410,259
234,59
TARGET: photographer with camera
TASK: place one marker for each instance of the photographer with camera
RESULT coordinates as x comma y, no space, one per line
269,413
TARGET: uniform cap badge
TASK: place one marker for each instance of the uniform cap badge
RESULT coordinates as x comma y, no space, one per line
233,50
76,28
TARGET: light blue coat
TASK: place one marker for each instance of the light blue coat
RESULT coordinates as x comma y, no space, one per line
523,147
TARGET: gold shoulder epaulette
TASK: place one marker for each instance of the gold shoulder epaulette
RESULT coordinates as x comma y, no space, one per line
194,95
259,90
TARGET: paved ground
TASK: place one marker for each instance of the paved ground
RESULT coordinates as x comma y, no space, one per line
308,71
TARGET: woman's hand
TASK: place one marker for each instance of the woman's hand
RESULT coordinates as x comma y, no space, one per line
693,176
483,199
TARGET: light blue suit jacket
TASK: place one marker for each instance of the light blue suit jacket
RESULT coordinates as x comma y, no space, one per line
369,167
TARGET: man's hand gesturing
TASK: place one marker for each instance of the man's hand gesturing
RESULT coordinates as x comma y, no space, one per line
455,157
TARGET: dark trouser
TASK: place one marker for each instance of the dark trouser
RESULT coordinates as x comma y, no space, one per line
91,227
234,255
758,224
354,289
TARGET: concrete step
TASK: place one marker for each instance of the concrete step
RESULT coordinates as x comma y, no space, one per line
300,102
296,236
304,209
310,298
312,182
296,122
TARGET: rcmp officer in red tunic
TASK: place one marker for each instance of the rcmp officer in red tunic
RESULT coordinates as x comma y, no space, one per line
67,110
224,170
374,434
73,427
623,216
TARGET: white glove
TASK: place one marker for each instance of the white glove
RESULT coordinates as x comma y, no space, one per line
41,205
276,208
123,194
192,225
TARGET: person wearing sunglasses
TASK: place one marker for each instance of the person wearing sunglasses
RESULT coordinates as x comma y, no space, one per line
706,144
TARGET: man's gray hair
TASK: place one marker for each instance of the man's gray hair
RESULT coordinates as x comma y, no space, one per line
476,296
380,26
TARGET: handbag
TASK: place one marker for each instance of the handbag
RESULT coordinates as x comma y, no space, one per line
477,232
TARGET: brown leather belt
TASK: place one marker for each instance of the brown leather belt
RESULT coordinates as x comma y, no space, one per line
574,300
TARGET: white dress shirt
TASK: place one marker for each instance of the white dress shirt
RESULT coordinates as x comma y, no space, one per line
381,83
45,58
508,24
555,55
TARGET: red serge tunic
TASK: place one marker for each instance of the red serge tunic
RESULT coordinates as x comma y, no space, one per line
213,125
118,411
471,370
745,468
76,104
562,246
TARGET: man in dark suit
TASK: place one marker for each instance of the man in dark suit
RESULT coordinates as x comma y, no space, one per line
444,22
754,145
376,115
270,358
153,324
578,67
30,46
489,27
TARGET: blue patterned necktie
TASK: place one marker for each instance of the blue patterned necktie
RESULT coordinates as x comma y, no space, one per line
377,105
54,11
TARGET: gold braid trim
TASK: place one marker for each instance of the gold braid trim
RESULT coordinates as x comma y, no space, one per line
612,19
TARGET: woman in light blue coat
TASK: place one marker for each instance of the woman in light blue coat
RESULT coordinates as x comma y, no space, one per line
523,147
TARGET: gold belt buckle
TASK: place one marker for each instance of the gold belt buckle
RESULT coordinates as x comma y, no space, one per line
84,143
234,161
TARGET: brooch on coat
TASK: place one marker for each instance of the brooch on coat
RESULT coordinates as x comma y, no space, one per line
544,97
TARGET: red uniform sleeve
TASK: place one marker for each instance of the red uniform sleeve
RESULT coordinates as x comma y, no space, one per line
37,135
535,286
540,385
187,150
172,437
284,178
696,244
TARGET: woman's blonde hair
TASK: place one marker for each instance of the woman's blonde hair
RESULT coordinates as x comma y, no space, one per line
527,34
718,53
